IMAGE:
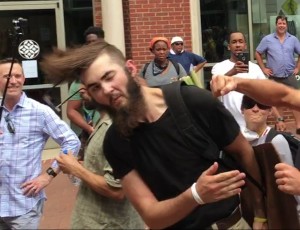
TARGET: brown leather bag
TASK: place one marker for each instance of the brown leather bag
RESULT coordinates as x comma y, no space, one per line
281,208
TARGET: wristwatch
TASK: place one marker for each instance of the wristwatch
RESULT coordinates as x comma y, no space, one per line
280,119
51,172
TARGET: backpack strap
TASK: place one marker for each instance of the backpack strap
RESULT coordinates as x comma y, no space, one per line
183,121
271,134
144,69
175,64
176,105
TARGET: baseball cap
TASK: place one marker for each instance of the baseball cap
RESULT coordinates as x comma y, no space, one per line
156,39
176,39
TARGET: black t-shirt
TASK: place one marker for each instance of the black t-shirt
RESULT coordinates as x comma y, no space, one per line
164,161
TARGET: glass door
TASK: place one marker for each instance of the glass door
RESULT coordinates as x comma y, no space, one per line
44,24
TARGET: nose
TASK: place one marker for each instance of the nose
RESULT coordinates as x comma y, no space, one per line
255,107
12,79
238,43
106,88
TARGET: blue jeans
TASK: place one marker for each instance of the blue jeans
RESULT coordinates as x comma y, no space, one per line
30,220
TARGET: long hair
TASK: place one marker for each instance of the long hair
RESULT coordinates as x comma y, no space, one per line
60,66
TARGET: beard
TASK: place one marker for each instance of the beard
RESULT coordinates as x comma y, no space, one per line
127,117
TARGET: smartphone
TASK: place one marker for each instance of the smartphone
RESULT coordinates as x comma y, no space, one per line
243,57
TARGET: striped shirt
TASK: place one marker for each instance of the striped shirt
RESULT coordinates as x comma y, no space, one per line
21,152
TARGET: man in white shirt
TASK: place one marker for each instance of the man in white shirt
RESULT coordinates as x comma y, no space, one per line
234,67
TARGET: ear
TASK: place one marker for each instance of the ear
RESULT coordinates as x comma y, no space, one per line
131,67
228,48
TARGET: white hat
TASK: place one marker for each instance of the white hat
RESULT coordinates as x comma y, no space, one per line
176,39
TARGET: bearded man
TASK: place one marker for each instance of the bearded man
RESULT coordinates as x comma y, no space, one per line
169,185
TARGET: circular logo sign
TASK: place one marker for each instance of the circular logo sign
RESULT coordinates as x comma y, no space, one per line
29,49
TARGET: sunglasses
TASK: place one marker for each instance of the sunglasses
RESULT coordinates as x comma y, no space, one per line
251,104
178,43
10,124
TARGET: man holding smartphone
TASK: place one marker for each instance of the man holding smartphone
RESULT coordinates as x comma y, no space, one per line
279,48
239,65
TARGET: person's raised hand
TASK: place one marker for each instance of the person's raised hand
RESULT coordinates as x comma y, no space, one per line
213,187
221,85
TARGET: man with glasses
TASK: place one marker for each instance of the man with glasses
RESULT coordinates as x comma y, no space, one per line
257,129
189,61
258,132
25,127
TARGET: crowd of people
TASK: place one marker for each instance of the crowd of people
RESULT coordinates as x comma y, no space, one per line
142,168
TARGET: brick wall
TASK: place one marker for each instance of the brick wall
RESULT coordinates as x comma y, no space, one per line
144,19
287,114
97,13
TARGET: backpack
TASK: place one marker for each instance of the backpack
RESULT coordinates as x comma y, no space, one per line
175,64
186,125
294,144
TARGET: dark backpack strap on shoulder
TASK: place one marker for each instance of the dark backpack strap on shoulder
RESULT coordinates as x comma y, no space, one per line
177,106
175,64
144,69
271,134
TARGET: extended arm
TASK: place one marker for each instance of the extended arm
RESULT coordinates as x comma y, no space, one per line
69,164
161,214
264,91
64,136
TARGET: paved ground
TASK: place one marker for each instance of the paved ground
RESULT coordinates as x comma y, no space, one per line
61,195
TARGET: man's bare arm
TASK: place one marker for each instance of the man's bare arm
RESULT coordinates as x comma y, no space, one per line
161,214
264,91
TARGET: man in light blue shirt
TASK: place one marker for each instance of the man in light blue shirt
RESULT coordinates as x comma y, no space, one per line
25,127
279,48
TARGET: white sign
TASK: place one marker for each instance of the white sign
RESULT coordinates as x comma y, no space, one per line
30,69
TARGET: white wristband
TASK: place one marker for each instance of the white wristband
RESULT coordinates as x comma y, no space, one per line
195,194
